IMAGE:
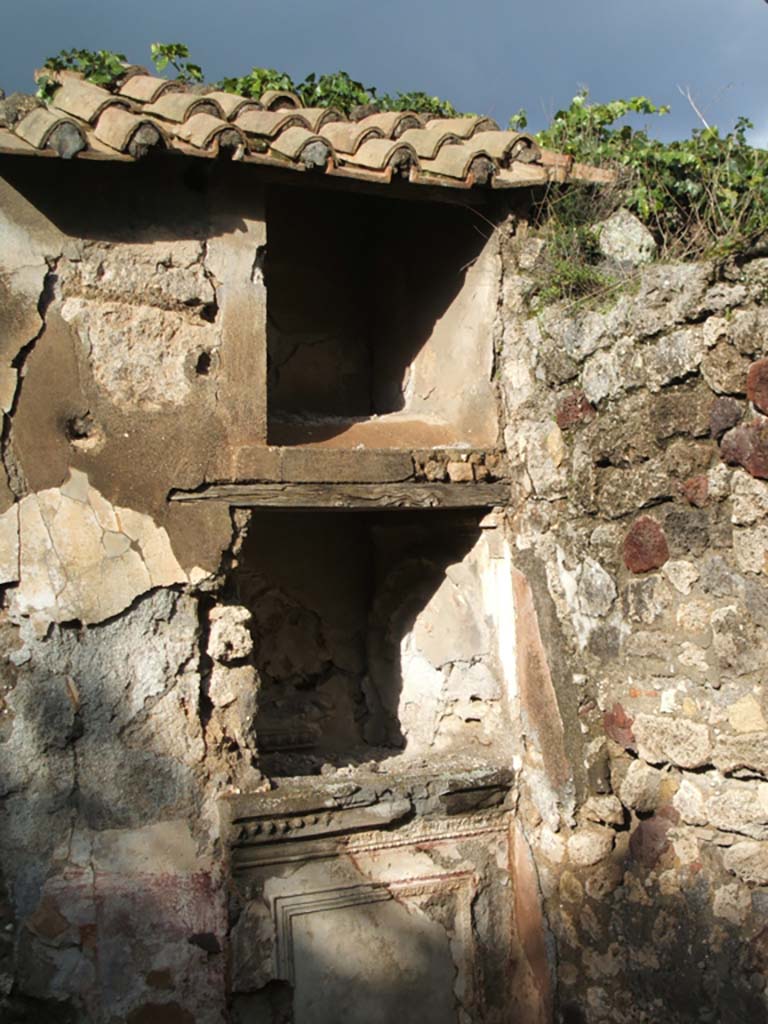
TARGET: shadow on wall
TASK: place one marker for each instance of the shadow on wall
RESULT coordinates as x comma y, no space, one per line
105,886
654,956
149,201
336,599
356,285
362,968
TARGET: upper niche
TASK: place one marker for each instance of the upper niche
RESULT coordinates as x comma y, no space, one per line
380,321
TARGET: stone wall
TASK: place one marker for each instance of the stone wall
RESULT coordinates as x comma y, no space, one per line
538,748
639,518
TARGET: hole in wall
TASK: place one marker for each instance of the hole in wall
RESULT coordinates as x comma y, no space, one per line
203,364
83,432
370,636
364,311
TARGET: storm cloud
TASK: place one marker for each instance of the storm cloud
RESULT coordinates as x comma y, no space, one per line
491,56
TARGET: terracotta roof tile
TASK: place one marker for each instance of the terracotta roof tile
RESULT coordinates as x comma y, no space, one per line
317,117
378,154
461,162
232,106
204,131
50,129
507,147
300,144
280,99
179,106
86,101
147,112
348,136
10,143
464,127
429,141
129,133
147,88
394,123
270,123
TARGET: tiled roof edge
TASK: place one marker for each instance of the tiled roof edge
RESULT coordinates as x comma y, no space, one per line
147,113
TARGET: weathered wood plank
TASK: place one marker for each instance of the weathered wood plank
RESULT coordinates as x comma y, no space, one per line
352,496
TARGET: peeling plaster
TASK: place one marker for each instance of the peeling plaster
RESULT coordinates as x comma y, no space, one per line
139,318
79,557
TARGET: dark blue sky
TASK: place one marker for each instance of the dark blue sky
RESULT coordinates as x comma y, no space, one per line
490,56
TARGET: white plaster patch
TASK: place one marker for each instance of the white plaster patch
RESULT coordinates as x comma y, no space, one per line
9,545
82,558
459,656
421,697
472,681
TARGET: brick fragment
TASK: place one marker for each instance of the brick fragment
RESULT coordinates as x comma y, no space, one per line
747,446
618,727
696,491
460,472
757,384
645,546
574,408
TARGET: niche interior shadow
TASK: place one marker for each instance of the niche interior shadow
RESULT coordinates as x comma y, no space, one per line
332,594
355,287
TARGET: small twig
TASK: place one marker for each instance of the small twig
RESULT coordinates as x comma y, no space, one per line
687,94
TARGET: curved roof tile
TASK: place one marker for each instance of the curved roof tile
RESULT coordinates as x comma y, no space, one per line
280,99
147,88
86,101
180,106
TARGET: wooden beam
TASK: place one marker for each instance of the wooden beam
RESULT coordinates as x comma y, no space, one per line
351,496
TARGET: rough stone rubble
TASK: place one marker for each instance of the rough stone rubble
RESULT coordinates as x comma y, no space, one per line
639,429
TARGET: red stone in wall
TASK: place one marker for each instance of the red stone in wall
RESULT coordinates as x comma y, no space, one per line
757,384
645,545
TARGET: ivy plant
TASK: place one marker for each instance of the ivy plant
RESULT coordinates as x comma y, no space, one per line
175,55
420,103
257,82
102,67
338,90
707,194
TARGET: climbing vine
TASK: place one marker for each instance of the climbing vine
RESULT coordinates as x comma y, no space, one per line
705,195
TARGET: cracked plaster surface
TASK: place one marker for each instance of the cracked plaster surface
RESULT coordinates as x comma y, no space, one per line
76,556
22,273
139,318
